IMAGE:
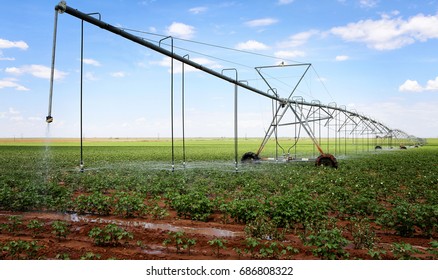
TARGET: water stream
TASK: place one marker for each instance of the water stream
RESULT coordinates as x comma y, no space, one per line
74,218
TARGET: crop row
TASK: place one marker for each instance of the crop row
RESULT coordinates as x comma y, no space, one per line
396,190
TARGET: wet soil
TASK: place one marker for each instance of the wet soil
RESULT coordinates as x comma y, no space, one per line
149,236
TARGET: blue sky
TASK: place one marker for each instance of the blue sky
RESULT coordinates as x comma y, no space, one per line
377,57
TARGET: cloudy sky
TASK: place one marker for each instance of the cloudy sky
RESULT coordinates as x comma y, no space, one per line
373,56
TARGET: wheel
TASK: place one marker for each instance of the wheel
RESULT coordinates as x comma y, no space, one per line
327,160
378,148
249,157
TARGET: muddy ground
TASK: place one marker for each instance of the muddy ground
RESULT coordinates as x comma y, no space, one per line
149,240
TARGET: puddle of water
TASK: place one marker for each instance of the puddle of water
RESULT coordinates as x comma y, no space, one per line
152,252
74,217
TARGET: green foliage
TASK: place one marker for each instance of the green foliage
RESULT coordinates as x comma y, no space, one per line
263,227
405,216
364,237
129,204
19,249
90,256
110,235
62,256
329,244
194,205
95,203
251,246
36,227
397,189
157,212
15,223
272,250
433,248
428,218
60,229
297,207
246,210
376,254
180,240
404,251
217,244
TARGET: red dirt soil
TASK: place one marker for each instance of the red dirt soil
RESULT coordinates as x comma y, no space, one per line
149,235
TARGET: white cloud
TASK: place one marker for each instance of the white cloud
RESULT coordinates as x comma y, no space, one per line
432,85
414,86
389,33
39,71
180,30
298,39
342,57
251,45
198,10
166,61
289,54
90,61
207,62
5,58
6,44
119,74
368,3
284,2
35,119
410,86
11,83
90,76
261,22
406,117
12,114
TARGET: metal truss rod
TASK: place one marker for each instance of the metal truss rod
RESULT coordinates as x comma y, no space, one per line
63,8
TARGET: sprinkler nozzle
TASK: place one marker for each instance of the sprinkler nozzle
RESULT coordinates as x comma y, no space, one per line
49,119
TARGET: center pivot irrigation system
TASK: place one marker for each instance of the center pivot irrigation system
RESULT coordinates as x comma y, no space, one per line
322,123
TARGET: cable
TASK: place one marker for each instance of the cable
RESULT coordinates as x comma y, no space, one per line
213,45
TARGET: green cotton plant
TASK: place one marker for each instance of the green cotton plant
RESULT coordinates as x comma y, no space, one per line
90,256
272,250
263,227
129,204
60,229
95,203
297,207
110,235
20,249
404,251
251,246
364,237
217,244
329,244
194,205
156,211
180,240
376,254
403,218
15,223
246,210
433,248
36,227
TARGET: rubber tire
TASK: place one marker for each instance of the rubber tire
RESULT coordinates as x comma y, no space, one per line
249,157
327,160
378,148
